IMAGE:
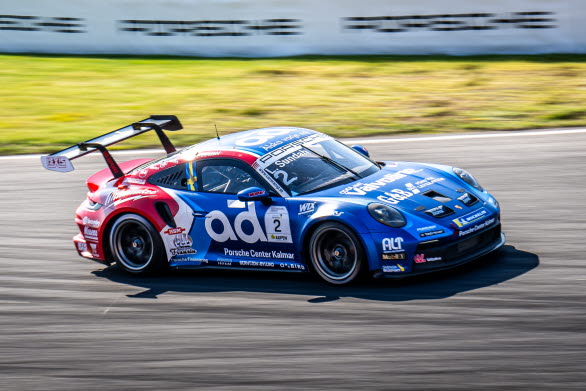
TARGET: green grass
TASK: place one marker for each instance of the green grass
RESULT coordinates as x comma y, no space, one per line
50,102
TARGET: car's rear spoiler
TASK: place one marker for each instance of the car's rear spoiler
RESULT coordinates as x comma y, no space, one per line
61,161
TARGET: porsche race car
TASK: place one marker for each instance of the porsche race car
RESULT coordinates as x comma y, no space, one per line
282,198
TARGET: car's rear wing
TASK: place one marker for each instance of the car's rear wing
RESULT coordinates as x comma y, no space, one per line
61,161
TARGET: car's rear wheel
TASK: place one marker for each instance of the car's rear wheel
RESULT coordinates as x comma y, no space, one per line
136,246
336,254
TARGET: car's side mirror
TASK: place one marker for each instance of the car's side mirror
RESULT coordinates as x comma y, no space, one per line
361,149
254,194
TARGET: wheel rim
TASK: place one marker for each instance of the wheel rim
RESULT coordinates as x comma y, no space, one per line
133,245
335,253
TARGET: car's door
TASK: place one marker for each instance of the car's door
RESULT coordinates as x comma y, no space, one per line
237,233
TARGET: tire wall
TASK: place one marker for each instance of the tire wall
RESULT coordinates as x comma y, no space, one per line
268,28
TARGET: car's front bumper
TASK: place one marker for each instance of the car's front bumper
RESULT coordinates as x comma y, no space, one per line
454,254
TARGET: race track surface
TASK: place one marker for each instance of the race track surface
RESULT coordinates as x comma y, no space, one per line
516,322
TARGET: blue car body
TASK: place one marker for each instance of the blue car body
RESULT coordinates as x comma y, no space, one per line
256,199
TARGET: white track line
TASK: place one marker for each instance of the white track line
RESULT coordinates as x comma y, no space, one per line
518,133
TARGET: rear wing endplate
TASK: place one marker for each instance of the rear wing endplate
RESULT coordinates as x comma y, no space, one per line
61,161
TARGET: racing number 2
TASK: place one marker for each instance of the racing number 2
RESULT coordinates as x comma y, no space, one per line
285,177
277,223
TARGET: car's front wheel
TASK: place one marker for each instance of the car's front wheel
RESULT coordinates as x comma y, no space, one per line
136,246
336,253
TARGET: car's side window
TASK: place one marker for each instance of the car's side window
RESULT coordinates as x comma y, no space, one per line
226,176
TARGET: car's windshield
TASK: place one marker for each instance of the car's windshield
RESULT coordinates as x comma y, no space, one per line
316,165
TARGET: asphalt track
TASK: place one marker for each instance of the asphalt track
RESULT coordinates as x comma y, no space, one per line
514,322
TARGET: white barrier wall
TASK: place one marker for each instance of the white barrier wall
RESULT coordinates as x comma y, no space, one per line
252,28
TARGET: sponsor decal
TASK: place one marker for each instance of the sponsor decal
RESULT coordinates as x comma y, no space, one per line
224,262
262,136
90,222
182,251
442,22
429,227
471,217
124,195
291,158
393,256
256,193
307,208
212,28
90,233
183,240
337,213
195,261
420,258
428,182
24,23
294,266
143,173
55,163
393,268
457,206
258,254
431,233
412,188
208,154
477,227
82,247
269,178
160,165
394,196
183,243
392,244
136,181
175,231
359,188
256,263
276,223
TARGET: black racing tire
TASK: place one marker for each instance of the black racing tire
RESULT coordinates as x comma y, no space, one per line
336,254
136,245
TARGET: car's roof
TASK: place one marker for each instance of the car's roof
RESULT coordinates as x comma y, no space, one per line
255,141
247,146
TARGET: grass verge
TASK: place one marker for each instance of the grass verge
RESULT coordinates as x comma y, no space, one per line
49,102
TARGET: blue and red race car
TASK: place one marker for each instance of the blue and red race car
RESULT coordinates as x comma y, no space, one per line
283,198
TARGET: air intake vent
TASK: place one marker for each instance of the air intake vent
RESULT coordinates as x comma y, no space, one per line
439,211
173,178
437,196
169,179
468,199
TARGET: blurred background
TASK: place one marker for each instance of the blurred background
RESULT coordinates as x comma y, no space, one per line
75,69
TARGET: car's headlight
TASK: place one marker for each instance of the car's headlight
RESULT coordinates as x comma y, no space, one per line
386,215
468,178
